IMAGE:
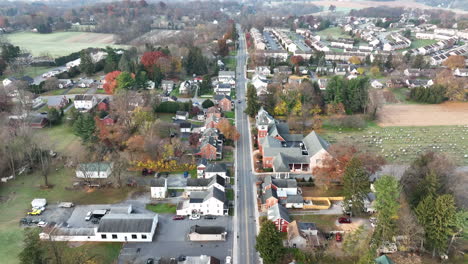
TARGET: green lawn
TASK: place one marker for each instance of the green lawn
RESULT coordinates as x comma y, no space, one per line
77,90
16,196
401,145
33,71
228,155
167,117
60,43
229,114
54,92
230,63
61,138
333,32
162,208
230,194
418,43
100,91
325,223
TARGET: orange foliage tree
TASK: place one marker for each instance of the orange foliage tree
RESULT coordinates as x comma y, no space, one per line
334,165
296,60
228,130
150,58
111,82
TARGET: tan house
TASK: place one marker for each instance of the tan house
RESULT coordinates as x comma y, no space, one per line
207,233
304,235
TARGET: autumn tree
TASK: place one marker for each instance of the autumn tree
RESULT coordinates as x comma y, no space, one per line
150,58
229,131
223,49
125,81
454,87
110,84
297,60
355,60
333,166
454,61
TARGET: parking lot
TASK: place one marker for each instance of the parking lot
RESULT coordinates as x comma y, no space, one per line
53,214
171,240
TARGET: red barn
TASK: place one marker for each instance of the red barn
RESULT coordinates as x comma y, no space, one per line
280,216
103,105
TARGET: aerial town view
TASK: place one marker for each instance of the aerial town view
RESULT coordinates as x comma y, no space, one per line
233,132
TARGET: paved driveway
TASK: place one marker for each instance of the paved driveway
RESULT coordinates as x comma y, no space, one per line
171,240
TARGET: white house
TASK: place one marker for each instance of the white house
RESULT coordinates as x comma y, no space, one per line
185,127
223,88
214,169
85,102
201,184
118,227
167,85
210,202
181,115
158,188
260,83
185,87
227,77
207,233
8,81
97,170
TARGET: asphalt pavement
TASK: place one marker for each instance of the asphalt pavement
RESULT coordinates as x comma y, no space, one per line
245,215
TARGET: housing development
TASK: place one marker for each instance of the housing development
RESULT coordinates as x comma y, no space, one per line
209,132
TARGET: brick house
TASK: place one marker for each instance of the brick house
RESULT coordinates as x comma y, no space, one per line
269,198
213,111
103,105
107,120
224,102
212,122
210,149
279,216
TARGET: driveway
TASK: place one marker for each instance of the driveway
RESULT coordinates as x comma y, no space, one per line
170,240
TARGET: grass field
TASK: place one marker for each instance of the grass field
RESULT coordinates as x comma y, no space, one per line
32,71
60,43
401,145
230,63
162,208
54,92
334,32
16,196
418,43
61,137
77,90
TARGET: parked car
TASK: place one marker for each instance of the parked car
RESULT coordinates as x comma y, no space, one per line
178,217
173,194
228,260
42,224
210,217
66,205
344,220
88,216
338,237
150,261
194,217
25,221
35,211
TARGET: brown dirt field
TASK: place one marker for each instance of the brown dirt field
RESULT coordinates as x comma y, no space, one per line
445,114
93,38
366,4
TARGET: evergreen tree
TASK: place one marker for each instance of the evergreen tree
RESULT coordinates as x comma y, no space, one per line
124,63
84,127
112,60
269,243
205,86
157,74
141,80
253,104
387,204
195,63
207,103
32,252
54,116
86,64
356,186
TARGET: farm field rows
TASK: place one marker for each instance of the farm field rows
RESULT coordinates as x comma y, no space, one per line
61,43
401,145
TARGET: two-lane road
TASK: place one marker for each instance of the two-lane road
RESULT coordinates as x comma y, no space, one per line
245,215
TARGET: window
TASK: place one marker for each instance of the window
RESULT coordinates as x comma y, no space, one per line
104,236
114,236
143,236
134,236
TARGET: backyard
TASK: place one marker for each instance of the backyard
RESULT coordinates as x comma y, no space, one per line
333,32
60,43
61,137
162,208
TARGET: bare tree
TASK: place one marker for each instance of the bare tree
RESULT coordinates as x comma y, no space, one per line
51,84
